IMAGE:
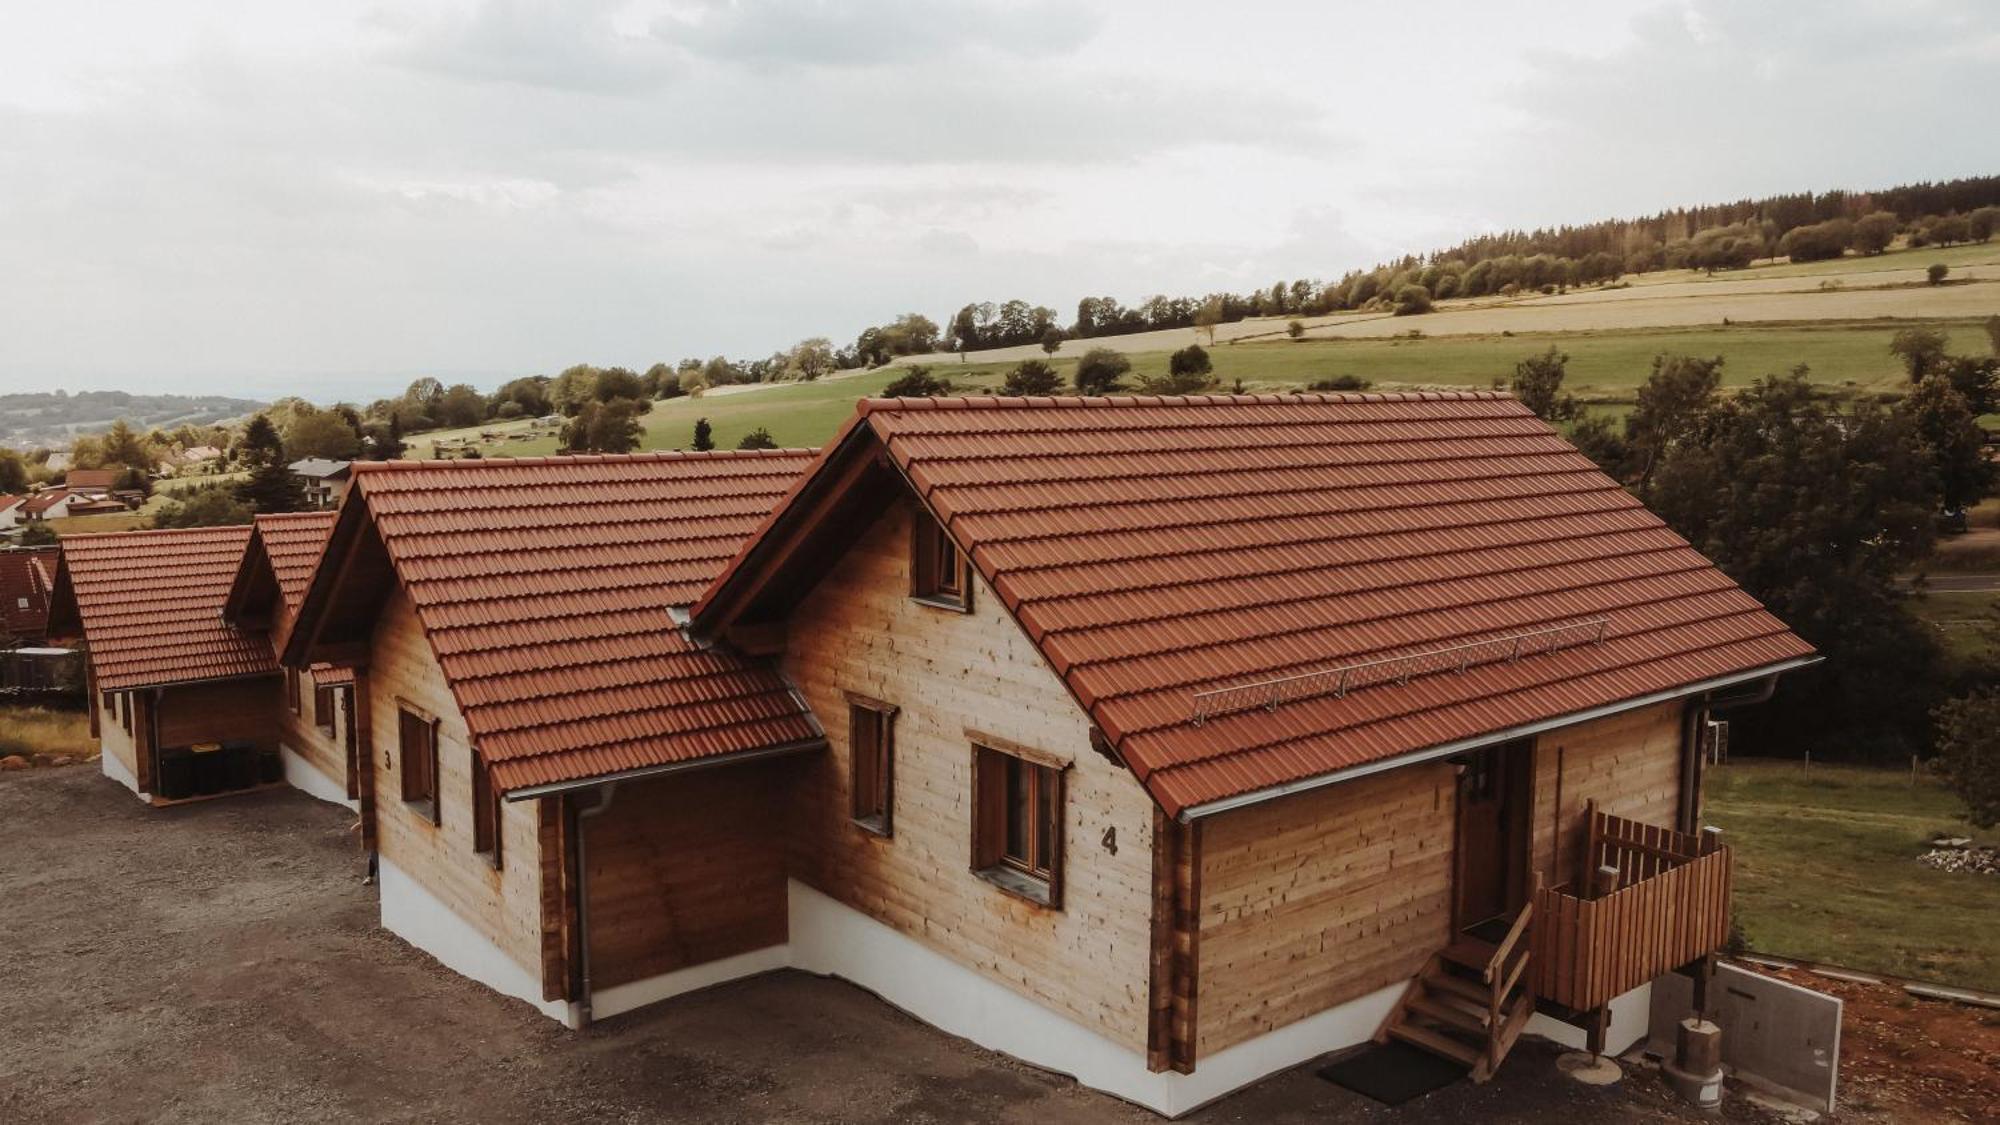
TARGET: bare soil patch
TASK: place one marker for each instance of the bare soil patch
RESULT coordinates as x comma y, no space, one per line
1905,1059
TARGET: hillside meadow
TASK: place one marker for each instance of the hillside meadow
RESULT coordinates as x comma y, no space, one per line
1605,369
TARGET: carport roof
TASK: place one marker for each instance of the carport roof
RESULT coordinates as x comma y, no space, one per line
545,587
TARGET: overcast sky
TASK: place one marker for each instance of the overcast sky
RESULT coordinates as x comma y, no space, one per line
330,197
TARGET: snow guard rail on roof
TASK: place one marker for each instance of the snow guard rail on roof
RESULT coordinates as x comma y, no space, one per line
1338,681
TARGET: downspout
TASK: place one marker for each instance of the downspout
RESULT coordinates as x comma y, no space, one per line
606,793
1696,717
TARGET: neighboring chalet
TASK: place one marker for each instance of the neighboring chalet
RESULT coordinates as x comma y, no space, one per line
27,575
10,511
183,704
1164,742
316,716
324,481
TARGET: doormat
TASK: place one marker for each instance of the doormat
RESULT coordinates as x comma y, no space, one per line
1392,1073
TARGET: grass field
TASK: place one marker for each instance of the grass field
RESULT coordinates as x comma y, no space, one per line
1605,367
40,730
1826,870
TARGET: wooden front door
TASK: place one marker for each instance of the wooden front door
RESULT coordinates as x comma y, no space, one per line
1494,792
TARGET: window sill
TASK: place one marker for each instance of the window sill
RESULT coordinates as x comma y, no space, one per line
1019,885
872,825
939,601
492,859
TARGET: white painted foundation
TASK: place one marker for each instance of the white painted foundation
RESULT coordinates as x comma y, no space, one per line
116,771
418,917
830,938
303,776
639,993
1631,1016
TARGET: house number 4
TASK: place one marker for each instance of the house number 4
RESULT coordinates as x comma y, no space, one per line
1110,840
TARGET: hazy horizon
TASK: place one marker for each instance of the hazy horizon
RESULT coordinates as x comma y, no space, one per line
331,199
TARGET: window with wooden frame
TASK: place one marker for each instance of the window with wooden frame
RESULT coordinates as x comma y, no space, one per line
292,690
485,811
871,752
125,710
323,707
1017,827
940,574
416,741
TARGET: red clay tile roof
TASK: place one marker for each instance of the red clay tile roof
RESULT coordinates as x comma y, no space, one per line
150,606
44,500
90,478
27,574
1154,548
292,542
544,586
327,675
8,501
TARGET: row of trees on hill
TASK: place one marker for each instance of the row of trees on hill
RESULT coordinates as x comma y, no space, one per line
1806,227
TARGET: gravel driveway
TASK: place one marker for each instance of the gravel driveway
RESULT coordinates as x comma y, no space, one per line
221,962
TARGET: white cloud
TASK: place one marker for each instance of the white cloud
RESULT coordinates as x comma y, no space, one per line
247,192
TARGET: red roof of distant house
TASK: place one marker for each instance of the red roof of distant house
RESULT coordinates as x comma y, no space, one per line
1156,548
44,500
27,574
8,501
149,604
99,479
544,585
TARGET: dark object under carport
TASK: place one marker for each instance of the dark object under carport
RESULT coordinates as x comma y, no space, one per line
1392,1073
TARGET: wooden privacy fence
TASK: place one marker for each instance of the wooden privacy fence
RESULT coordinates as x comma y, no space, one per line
1668,905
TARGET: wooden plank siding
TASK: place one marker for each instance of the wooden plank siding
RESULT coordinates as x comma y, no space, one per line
685,869
323,749
1315,899
1630,764
244,710
504,906
859,631
112,738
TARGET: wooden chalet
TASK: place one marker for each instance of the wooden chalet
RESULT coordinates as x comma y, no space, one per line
1164,742
183,704
316,739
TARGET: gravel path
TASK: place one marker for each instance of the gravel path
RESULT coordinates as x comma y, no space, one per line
221,962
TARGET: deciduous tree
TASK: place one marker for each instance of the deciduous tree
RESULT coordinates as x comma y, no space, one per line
917,382
1671,403
1538,382
1101,371
759,438
1920,349
1968,753
1031,377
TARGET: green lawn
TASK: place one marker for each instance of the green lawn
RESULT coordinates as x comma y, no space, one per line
1826,871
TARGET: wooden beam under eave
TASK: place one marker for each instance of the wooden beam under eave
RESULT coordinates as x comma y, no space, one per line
1174,963
556,899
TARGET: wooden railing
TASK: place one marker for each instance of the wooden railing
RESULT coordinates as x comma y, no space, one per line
1651,901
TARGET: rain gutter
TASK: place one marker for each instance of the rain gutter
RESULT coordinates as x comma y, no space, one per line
1258,796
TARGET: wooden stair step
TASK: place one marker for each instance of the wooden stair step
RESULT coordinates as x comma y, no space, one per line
1459,986
1470,953
1444,1011
1437,1043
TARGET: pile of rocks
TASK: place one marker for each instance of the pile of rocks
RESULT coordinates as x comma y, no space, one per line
1958,853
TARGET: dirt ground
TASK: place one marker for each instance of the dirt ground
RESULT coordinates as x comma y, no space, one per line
1905,1059
221,962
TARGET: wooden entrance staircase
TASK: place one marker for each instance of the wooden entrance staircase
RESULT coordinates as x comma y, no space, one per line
1470,1002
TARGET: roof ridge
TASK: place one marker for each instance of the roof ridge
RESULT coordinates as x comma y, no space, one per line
132,533
1057,402
648,456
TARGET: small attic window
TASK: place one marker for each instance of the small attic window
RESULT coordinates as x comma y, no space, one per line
939,572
